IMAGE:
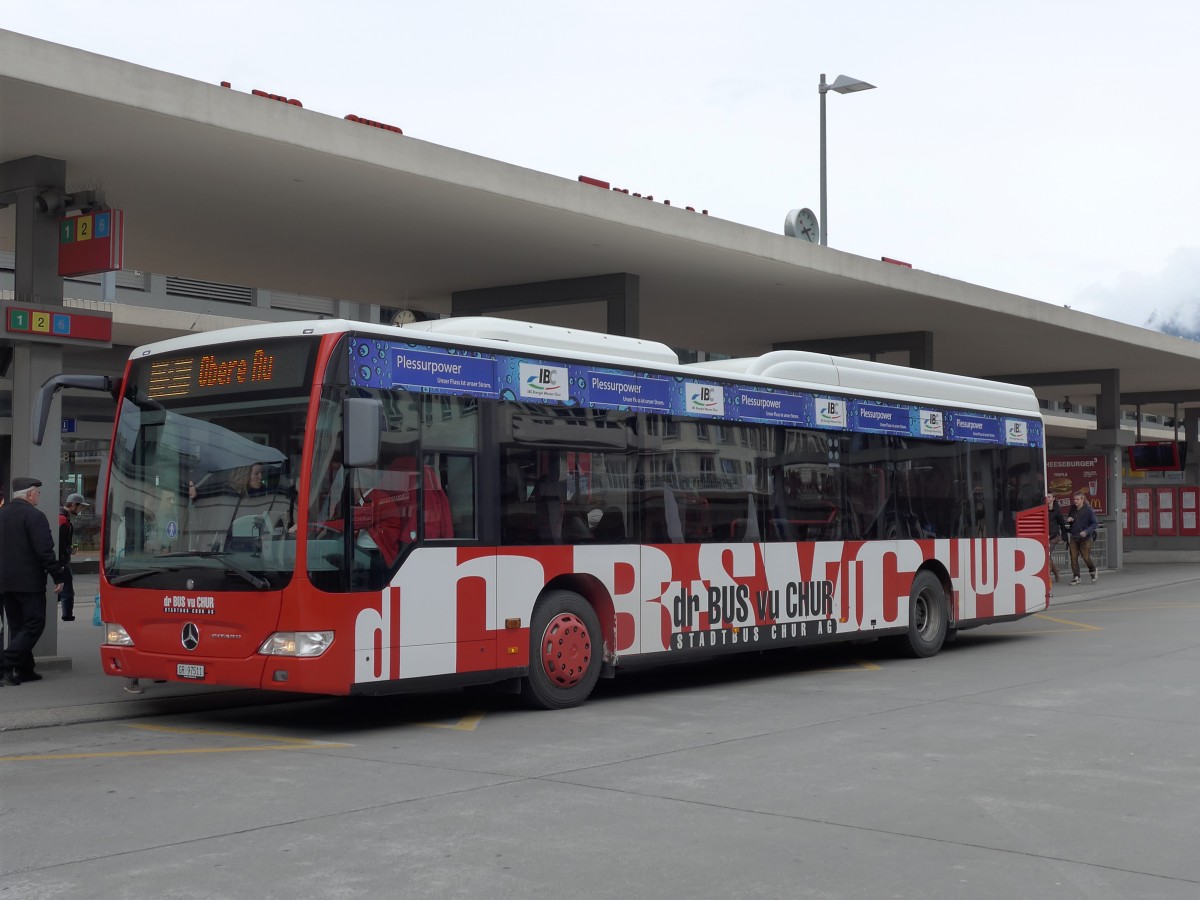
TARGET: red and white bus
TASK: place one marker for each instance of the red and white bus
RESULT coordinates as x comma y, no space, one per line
342,508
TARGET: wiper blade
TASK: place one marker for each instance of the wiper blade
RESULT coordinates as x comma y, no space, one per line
260,584
134,576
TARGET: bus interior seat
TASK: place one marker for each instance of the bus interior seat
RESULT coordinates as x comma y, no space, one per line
663,523
671,514
438,520
611,526
746,529
575,528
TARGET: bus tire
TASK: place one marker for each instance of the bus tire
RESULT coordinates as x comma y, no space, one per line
565,652
928,618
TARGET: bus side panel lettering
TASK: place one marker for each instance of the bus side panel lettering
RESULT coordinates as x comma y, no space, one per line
616,569
985,575
947,553
1022,583
373,639
1031,576
681,596
661,590
725,570
888,568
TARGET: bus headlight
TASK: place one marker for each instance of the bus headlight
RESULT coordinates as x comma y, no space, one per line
297,643
115,634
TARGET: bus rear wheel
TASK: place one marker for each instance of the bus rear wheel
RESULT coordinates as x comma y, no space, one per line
928,618
565,649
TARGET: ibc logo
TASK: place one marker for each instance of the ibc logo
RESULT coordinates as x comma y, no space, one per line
931,423
542,382
707,399
831,412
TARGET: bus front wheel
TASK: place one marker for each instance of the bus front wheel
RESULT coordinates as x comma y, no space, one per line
565,649
928,619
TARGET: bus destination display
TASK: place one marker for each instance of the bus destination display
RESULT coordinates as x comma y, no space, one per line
225,370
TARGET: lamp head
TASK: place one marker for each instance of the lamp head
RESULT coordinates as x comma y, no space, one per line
844,84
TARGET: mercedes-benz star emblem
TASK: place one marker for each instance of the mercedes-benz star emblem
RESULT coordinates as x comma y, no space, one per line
191,584
190,636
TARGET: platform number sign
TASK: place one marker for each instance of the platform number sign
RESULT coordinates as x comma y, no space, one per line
91,243
53,324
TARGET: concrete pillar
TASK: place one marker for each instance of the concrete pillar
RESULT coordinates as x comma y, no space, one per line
1191,435
32,365
32,183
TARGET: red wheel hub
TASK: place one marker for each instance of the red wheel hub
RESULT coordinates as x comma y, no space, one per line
566,650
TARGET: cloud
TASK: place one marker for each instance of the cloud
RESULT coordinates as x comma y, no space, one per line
1167,300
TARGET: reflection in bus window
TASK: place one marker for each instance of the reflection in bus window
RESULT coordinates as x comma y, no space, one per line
564,475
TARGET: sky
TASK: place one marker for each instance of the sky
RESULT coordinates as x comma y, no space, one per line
1045,148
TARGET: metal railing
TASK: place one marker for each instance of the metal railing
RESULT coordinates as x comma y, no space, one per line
1061,553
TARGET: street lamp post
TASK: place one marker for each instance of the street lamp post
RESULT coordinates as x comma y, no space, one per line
843,84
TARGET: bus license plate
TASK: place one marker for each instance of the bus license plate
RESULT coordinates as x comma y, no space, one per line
189,670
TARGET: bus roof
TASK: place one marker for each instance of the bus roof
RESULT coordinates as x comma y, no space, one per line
785,368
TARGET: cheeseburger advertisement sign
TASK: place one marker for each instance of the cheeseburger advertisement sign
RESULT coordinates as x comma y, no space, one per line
1087,473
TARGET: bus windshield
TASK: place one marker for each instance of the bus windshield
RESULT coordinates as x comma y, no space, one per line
202,491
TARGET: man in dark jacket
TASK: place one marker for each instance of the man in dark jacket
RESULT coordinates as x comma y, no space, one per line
1082,521
66,547
27,559
1059,530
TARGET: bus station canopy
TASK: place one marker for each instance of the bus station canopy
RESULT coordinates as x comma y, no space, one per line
221,185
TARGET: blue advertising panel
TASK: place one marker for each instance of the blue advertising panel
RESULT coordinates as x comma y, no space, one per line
612,389
443,372
773,407
424,368
388,364
880,418
1037,436
975,427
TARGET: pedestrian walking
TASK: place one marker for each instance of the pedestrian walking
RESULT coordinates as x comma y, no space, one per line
1059,530
66,549
1082,523
27,559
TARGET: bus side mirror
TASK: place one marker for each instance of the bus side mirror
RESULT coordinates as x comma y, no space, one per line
362,430
54,384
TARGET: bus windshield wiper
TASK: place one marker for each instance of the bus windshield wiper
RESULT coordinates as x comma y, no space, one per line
253,580
142,573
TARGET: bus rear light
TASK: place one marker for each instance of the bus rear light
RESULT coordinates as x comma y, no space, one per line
115,634
297,643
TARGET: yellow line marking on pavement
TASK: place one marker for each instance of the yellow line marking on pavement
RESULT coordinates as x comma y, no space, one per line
308,742
466,723
860,663
1140,607
281,743
1077,625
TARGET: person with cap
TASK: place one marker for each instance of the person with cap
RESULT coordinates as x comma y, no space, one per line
27,559
66,548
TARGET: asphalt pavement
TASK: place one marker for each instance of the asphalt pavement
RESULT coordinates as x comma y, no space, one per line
74,688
